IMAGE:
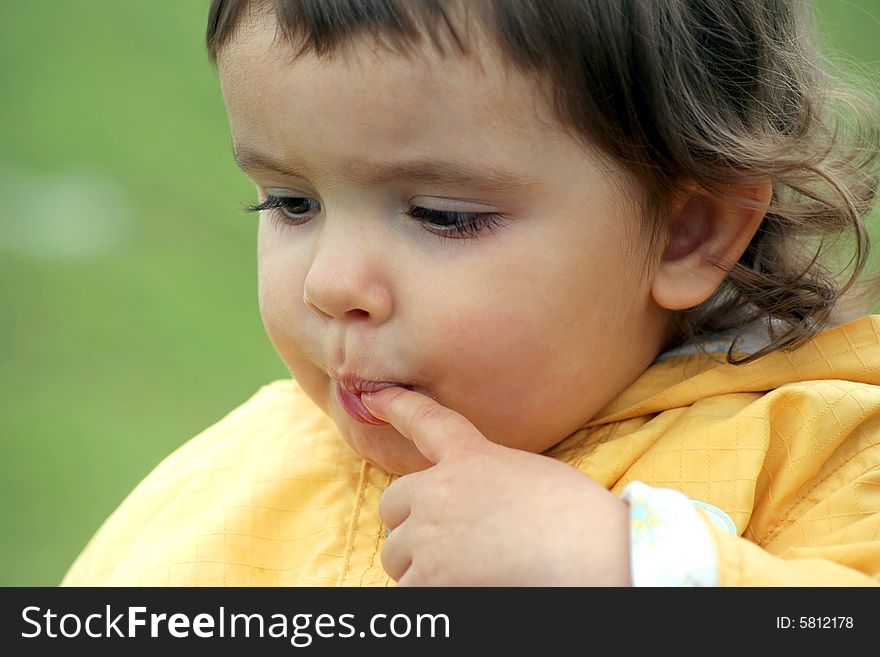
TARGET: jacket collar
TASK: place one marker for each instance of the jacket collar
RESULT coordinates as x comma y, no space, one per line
850,351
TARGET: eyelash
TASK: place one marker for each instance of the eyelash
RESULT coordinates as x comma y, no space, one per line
461,224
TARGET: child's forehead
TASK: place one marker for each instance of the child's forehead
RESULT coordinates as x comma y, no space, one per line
260,40
384,111
457,27
443,95
260,43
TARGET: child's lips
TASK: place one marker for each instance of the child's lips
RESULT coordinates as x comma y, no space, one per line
349,390
357,387
351,403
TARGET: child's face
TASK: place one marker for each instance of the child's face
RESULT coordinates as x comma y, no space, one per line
527,330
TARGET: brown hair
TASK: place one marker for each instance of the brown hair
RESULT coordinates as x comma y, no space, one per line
719,92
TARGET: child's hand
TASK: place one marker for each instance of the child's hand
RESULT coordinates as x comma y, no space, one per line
489,515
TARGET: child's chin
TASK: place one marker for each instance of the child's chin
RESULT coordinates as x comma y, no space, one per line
394,454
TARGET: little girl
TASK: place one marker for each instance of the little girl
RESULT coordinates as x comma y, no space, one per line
552,280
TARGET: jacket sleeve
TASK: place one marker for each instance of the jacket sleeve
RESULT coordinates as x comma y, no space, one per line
834,541
814,508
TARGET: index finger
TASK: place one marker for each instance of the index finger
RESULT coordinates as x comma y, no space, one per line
436,430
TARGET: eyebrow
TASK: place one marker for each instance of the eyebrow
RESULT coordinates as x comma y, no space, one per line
437,172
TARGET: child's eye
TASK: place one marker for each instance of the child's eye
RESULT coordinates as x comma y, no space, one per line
456,224
294,211
289,208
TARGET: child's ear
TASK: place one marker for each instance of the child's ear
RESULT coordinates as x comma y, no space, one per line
705,227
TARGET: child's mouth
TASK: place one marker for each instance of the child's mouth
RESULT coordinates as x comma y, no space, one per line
350,399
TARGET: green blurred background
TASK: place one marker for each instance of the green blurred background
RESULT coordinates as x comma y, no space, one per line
128,309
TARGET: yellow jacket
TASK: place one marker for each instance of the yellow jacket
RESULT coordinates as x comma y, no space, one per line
788,446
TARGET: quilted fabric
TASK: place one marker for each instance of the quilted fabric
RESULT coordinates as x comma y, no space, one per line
788,446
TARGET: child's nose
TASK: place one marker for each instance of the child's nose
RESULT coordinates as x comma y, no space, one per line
346,276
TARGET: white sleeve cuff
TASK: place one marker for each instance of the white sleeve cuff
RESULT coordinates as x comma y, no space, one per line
670,544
